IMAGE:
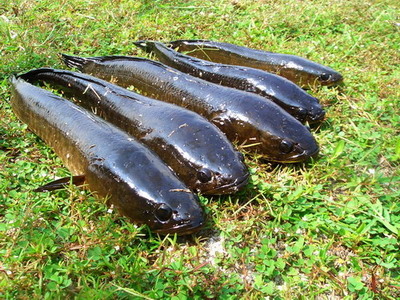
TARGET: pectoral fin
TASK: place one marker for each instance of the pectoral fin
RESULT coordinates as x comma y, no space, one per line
61,183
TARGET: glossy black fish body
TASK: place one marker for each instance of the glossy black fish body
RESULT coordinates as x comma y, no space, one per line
115,165
299,70
196,150
244,117
275,88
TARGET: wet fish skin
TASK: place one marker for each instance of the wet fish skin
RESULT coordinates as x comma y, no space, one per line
196,150
280,90
260,125
302,71
115,165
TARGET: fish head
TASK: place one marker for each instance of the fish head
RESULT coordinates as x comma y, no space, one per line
315,114
314,74
293,151
212,165
311,111
271,132
295,100
226,175
290,150
308,73
178,215
146,191
164,211
329,77
288,141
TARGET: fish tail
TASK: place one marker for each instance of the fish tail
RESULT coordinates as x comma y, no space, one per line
34,75
173,44
74,61
144,45
177,43
12,79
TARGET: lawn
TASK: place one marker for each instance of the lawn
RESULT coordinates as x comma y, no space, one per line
326,229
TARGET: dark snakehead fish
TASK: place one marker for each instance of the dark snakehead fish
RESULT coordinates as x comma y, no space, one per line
198,152
283,92
301,71
113,163
244,117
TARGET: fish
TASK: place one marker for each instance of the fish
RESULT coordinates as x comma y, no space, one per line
115,166
302,71
280,90
245,118
196,150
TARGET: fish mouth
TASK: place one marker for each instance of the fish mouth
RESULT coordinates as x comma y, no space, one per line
313,153
229,188
300,156
185,228
336,79
316,117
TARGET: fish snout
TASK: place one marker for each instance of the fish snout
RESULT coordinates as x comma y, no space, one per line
317,115
330,78
185,223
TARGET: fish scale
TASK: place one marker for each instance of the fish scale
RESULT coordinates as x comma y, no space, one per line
244,117
274,88
113,163
187,142
299,70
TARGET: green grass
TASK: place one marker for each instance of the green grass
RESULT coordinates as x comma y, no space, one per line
326,229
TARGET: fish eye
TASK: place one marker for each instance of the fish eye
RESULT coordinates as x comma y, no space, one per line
286,146
324,77
302,111
204,175
163,212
